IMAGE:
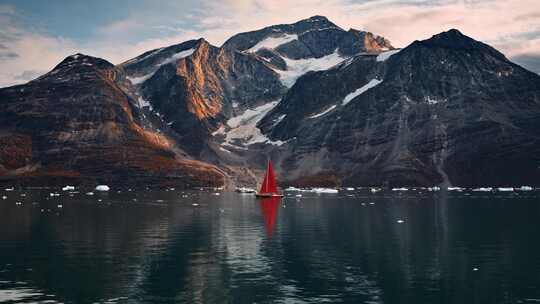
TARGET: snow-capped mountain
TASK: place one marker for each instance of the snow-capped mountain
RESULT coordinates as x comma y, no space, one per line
328,105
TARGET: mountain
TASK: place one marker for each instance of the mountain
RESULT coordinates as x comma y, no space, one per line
329,106
447,110
79,123
196,86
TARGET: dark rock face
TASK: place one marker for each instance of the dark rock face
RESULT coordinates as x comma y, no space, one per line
445,110
79,123
315,37
352,110
196,92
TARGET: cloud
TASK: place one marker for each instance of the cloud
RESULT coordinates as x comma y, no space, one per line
512,26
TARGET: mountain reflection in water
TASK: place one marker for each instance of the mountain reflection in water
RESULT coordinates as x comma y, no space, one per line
196,247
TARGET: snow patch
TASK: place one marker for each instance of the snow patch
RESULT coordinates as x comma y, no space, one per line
171,59
432,101
141,79
297,68
385,55
372,83
323,112
243,128
273,42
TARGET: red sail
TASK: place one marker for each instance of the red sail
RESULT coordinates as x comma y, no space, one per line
269,182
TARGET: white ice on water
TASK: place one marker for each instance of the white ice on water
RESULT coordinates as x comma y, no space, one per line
102,188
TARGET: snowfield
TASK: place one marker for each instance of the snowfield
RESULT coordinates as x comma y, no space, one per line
171,59
384,56
323,112
299,67
273,42
242,130
372,83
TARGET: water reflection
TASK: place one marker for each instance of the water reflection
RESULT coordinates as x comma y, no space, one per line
269,208
196,247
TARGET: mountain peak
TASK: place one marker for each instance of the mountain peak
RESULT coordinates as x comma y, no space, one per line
453,39
80,59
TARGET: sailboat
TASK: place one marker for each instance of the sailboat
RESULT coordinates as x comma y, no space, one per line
269,185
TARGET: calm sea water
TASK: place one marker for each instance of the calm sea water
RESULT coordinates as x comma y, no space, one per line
199,247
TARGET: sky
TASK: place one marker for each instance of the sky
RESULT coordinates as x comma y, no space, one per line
35,35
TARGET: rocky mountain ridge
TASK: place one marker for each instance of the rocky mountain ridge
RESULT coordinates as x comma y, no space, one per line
328,106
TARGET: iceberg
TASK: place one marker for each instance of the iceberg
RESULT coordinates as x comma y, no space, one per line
505,189
324,190
102,188
483,189
525,188
400,189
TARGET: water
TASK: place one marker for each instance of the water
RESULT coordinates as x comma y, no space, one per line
199,247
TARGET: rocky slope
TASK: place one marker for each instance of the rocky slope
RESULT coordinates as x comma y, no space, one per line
329,106
195,86
79,123
447,110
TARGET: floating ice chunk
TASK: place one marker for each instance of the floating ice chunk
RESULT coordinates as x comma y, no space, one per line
298,195
60,206
435,188
324,190
89,193
194,204
505,189
68,188
375,190
372,83
102,188
293,189
400,221
349,188
54,194
384,56
9,189
475,269
217,194
455,189
4,197
483,189
400,189
525,188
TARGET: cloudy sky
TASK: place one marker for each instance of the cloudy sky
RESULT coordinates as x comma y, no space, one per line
35,35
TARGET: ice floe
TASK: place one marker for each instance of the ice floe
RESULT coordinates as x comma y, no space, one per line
483,189
525,188
102,188
505,189
68,188
400,189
